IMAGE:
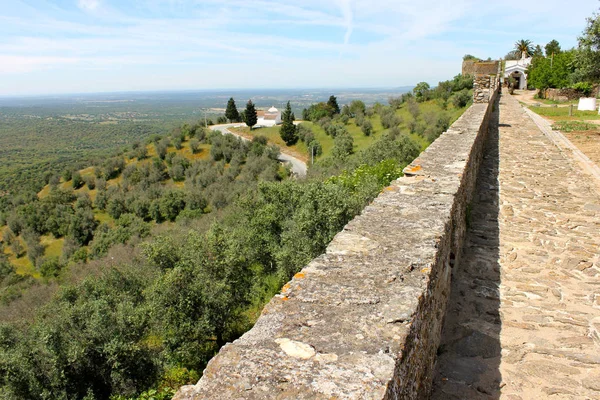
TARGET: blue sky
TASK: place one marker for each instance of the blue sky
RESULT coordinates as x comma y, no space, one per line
76,46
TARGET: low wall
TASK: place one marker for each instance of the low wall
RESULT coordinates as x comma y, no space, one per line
363,320
471,67
562,94
484,87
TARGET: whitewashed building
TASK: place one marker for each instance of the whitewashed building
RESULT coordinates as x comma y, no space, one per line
518,70
271,117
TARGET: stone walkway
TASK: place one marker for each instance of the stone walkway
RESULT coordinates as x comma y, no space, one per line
524,315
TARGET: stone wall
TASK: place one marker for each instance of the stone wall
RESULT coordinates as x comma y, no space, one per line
562,94
363,320
484,87
471,67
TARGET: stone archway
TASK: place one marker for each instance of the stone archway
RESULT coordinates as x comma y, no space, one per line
520,78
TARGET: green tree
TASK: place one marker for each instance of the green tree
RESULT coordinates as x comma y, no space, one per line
357,107
367,127
513,55
66,175
524,47
82,226
88,343
17,248
77,181
250,115
537,51
171,204
333,104
461,98
469,57
116,206
288,130
34,248
194,146
317,111
587,58
551,72
552,48
231,113
343,146
50,267
421,91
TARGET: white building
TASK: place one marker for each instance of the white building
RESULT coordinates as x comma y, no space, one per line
518,70
271,117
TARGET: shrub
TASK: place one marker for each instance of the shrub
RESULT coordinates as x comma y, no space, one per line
584,87
367,127
343,146
77,181
461,99
389,119
50,267
314,148
194,146
413,108
90,181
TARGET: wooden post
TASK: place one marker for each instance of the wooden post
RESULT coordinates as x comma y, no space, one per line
571,110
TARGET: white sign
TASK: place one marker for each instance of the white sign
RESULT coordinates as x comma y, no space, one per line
587,104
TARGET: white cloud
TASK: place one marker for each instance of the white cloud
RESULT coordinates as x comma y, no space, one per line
88,5
18,64
307,43
346,8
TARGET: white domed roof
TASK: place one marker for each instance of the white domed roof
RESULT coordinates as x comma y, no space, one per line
273,110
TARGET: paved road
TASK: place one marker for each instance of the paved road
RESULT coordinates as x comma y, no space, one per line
523,320
298,166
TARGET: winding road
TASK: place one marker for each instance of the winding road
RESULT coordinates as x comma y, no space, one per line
298,166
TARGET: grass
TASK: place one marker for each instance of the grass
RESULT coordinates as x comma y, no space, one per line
22,264
552,102
103,217
562,114
53,246
574,126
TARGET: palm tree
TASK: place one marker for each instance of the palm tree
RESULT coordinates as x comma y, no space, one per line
524,46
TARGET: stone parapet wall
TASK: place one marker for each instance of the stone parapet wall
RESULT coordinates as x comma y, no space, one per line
484,87
471,67
363,320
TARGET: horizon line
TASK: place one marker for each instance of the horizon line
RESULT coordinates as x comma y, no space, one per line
217,90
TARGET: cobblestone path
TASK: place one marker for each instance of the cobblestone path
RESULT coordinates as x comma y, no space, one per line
524,315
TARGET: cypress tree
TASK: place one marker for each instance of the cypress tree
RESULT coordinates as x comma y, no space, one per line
333,104
250,117
288,130
231,112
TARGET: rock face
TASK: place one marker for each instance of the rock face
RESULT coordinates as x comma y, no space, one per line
363,320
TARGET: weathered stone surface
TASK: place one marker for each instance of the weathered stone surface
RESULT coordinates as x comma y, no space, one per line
485,85
363,320
541,251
